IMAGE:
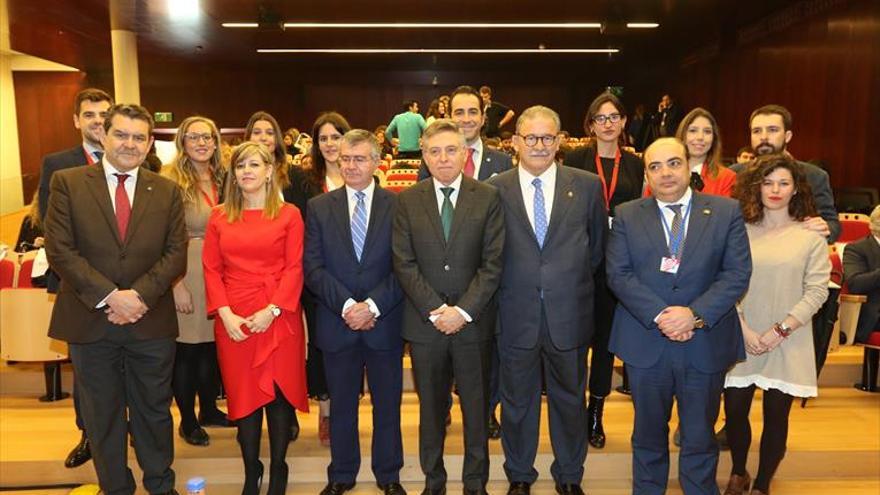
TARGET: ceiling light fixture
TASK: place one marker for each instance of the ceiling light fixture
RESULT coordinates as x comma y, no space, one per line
425,25
438,50
642,25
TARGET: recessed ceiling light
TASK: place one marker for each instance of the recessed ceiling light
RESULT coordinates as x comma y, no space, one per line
642,25
437,50
425,25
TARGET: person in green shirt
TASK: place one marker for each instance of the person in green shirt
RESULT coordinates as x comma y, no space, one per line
409,126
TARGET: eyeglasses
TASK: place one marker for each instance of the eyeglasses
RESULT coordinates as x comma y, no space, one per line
194,137
601,119
358,160
532,140
697,181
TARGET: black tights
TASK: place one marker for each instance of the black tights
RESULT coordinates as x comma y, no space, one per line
196,372
776,406
279,414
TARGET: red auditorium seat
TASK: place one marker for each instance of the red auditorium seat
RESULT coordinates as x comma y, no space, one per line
24,274
853,226
7,274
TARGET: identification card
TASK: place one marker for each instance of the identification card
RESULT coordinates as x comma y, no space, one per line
669,265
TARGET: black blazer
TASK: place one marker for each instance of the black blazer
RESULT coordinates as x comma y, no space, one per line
494,162
54,162
861,272
465,271
562,270
334,274
630,178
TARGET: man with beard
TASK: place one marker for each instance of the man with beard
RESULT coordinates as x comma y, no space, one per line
770,131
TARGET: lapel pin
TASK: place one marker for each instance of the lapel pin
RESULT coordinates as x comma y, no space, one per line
570,194
149,188
707,211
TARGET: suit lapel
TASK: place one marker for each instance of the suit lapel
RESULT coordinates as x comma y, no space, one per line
462,207
96,182
650,218
700,214
487,168
343,222
143,196
563,196
378,211
429,203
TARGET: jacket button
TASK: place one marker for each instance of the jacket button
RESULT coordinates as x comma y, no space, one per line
675,289
122,256
446,268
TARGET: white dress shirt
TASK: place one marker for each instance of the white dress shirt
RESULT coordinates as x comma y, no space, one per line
668,214
548,186
352,204
112,181
91,150
477,157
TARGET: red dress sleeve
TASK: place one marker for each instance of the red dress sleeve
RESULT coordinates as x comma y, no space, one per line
726,180
212,261
290,286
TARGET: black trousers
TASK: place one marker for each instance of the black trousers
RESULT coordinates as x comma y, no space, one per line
125,383
601,360
196,372
434,367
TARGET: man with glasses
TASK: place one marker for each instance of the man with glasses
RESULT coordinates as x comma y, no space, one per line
358,314
448,240
555,224
90,107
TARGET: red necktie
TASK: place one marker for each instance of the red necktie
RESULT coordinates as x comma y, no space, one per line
469,166
123,206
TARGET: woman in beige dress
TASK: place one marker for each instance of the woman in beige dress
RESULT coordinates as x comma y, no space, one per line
198,172
790,271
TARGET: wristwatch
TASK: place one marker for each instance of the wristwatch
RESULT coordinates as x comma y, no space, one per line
698,320
276,311
782,329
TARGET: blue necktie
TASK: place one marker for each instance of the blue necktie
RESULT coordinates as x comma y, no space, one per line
359,224
99,155
540,213
675,232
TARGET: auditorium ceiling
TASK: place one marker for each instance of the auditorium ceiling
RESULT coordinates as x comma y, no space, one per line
77,32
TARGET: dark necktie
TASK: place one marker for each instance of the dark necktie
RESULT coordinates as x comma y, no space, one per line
675,232
123,206
359,224
446,212
98,155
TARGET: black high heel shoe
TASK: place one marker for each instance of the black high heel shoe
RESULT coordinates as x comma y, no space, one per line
278,472
253,484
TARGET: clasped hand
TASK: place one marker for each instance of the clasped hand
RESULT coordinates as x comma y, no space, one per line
359,317
258,322
677,323
757,344
124,307
450,321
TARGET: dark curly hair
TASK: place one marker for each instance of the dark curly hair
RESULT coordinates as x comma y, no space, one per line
748,188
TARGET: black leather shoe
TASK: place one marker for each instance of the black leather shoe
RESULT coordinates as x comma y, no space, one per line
334,488
169,492
197,437
519,488
434,491
393,488
494,428
474,491
216,419
595,430
569,489
80,454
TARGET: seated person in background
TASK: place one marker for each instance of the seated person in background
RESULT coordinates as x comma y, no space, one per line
745,155
861,272
30,235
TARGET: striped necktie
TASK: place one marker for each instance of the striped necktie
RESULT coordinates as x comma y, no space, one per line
359,224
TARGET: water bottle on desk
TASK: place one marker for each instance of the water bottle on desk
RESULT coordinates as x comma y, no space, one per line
195,486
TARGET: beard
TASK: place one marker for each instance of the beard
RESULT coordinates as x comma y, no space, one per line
766,149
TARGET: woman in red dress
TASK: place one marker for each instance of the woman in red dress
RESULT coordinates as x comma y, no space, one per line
702,138
253,278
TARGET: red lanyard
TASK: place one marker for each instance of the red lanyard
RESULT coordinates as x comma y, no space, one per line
609,192
213,199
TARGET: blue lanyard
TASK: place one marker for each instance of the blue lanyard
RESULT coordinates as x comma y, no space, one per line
674,243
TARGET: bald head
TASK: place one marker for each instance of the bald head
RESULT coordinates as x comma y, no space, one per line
666,169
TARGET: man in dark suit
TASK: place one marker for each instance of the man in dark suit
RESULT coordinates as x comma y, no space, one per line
770,132
90,107
348,267
448,242
116,236
555,224
861,272
482,162
677,262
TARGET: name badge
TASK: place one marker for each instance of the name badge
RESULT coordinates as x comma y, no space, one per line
669,265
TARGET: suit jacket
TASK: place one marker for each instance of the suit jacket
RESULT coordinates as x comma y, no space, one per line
84,248
822,196
861,272
494,162
562,271
715,268
334,274
464,271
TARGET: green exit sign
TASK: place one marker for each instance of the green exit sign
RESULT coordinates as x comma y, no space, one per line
163,116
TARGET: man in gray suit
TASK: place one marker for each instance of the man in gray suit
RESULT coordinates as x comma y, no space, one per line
770,132
448,240
555,227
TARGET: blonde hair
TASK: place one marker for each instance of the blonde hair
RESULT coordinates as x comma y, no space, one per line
183,172
34,210
234,202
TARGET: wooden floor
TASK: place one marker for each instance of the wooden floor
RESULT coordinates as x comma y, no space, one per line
833,447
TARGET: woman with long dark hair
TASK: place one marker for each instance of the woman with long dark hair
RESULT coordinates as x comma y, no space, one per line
702,138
